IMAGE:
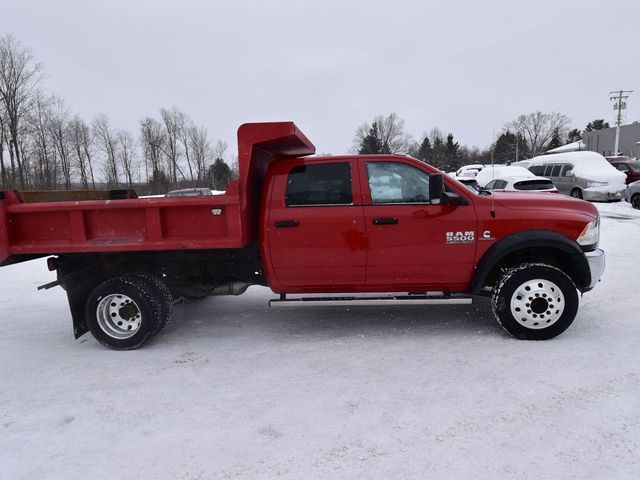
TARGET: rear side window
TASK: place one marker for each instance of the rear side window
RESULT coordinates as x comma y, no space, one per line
534,185
328,184
555,171
537,169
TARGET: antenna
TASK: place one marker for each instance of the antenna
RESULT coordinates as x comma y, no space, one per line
493,176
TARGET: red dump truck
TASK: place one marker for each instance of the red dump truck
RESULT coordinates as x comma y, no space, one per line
365,229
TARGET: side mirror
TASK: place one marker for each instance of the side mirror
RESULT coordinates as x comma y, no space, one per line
436,187
452,198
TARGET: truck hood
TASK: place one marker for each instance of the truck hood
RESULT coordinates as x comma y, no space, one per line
544,201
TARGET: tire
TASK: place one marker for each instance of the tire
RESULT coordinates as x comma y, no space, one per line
635,201
535,301
576,193
124,313
162,293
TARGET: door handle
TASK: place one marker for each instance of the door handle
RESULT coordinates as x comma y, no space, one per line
385,221
287,223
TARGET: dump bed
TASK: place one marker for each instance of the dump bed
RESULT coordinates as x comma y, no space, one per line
33,229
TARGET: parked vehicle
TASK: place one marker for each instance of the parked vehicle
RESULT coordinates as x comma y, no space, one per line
579,174
633,194
340,225
468,171
628,166
189,192
519,184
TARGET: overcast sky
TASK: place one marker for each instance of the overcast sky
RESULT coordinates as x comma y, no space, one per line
465,67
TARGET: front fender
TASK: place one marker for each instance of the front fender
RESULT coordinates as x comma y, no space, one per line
574,262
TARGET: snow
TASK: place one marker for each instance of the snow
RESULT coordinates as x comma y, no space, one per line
233,389
569,147
490,173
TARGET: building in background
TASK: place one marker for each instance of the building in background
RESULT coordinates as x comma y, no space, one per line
603,141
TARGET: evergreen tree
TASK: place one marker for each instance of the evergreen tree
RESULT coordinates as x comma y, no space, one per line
425,151
597,124
219,175
574,135
451,154
372,143
505,148
158,182
555,140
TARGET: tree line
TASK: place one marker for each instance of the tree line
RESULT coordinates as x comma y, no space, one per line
524,137
43,145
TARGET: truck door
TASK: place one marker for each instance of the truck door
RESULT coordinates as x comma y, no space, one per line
316,233
413,243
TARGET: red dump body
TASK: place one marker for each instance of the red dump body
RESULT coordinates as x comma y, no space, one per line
208,222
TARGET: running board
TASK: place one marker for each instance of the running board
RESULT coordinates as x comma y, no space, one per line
370,301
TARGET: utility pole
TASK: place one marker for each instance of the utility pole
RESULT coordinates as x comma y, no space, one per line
619,98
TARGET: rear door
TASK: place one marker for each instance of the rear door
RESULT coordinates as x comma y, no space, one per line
316,234
413,243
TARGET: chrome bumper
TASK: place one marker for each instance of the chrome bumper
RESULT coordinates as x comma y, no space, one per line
596,260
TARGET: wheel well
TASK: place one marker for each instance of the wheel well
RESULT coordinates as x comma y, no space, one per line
547,255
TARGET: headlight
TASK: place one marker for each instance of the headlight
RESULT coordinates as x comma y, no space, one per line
593,183
591,234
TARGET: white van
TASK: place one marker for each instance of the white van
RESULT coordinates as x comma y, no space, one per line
583,174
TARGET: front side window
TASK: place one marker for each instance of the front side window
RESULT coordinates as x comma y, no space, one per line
391,182
328,184
622,167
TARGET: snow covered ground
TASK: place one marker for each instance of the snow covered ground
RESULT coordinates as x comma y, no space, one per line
232,389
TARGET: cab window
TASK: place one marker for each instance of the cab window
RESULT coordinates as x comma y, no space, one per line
328,184
391,182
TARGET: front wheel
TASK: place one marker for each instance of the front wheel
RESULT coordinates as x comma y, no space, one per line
125,312
576,193
635,201
535,302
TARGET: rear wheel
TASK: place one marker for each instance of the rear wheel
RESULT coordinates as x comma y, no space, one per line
635,201
125,312
535,302
576,193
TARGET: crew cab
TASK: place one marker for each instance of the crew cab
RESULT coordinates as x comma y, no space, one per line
367,229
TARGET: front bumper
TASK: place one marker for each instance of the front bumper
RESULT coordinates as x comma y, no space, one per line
596,260
595,194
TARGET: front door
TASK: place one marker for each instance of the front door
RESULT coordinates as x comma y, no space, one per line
414,243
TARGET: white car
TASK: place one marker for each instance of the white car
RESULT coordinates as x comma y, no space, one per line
468,171
529,183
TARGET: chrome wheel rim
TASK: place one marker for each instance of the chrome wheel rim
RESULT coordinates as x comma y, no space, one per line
119,316
537,304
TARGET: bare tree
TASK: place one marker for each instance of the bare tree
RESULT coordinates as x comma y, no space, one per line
58,123
126,155
200,149
538,128
390,131
107,142
82,146
41,144
4,139
172,120
19,78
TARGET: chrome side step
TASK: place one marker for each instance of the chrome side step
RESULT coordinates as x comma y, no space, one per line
370,301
